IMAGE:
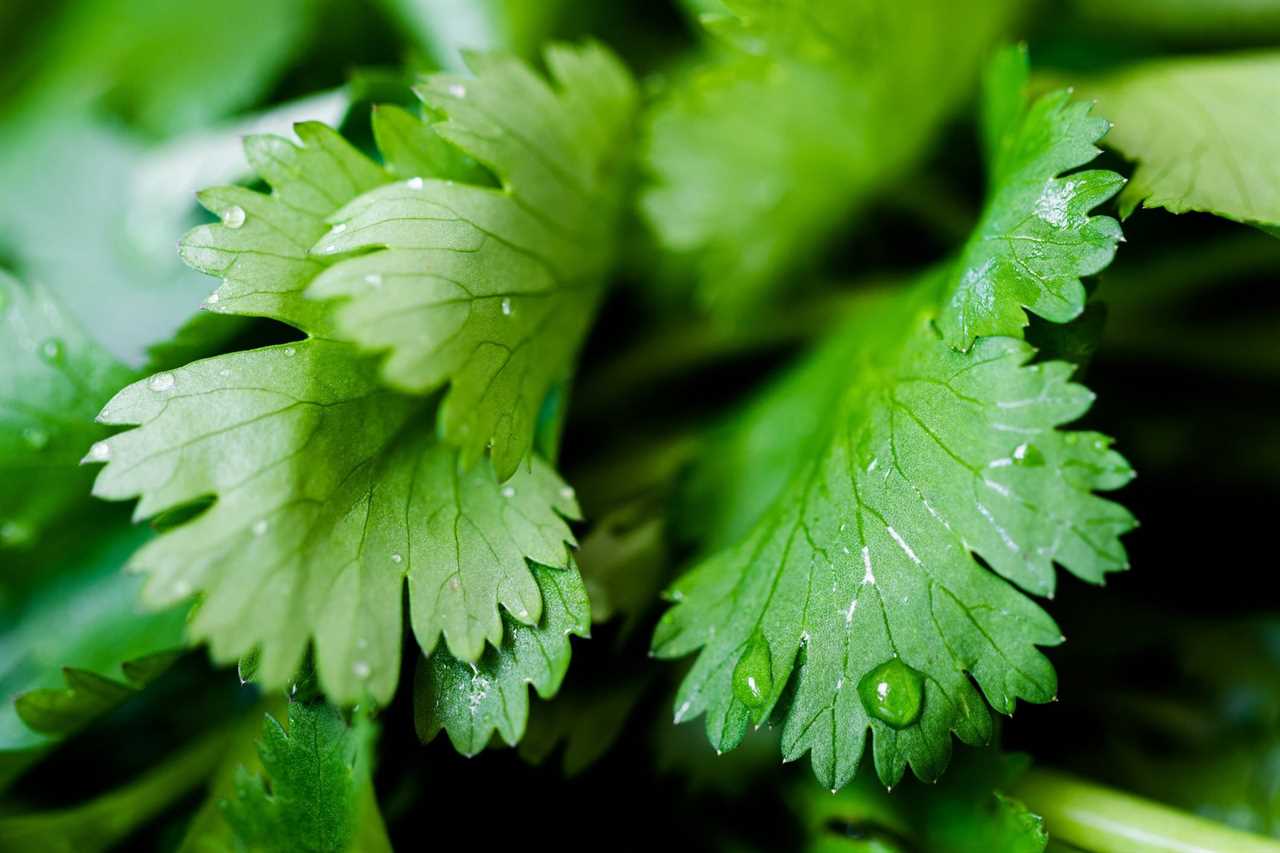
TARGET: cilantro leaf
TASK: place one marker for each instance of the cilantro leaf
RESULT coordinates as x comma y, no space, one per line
53,379
473,701
817,108
332,492
54,681
854,599
1203,133
491,290
331,489
1035,239
315,788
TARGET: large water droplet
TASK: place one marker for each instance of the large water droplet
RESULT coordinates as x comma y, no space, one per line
52,351
893,693
1028,455
753,675
161,382
233,216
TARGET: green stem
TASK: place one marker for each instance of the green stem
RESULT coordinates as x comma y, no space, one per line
1103,820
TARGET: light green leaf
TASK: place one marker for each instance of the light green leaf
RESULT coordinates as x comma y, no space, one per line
331,490
1203,133
473,702
315,793
760,154
491,290
1036,238
447,29
53,379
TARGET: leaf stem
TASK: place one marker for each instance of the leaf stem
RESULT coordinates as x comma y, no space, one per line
1103,820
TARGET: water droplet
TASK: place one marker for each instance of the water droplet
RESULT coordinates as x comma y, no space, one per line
508,491
161,382
52,351
289,352
339,228
233,216
260,527
397,559
455,584
373,280
36,437
567,492
893,693
506,307
415,183
753,674
182,589
457,90
213,299
1028,455
360,669
101,451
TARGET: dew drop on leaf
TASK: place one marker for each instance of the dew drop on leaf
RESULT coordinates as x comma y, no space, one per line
52,351
360,670
1028,455
893,693
233,216
753,674
101,451
506,307
161,382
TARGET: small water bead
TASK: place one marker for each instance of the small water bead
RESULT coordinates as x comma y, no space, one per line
753,674
567,492
161,382
182,589
260,527
1028,456
36,437
212,300
506,307
893,693
52,351
397,559
339,228
361,670
415,183
289,352
457,90
100,452
373,280
233,216
508,491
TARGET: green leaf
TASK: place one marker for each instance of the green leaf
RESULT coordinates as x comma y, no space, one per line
473,702
53,379
331,490
491,290
1202,131
1036,238
54,680
760,154
876,577
315,793
966,812
447,29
